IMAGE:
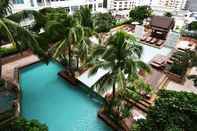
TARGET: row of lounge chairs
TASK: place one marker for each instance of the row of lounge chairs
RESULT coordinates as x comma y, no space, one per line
152,40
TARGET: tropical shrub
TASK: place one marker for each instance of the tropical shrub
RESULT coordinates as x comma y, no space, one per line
178,69
181,61
137,88
21,124
173,111
140,13
193,26
168,14
8,51
190,30
103,22
119,23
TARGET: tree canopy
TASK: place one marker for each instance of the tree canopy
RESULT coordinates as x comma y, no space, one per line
173,111
21,124
140,13
103,22
122,57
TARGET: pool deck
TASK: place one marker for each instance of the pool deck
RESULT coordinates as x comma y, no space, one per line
187,86
8,69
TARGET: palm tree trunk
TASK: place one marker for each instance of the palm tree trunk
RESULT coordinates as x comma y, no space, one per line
77,62
0,68
69,56
114,89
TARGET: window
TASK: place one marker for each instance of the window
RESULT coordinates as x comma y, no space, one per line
67,9
100,5
74,8
32,3
18,1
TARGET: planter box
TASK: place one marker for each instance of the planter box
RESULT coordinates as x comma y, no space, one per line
103,115
176,78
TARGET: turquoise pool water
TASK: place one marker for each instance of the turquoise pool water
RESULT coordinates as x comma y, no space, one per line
52,101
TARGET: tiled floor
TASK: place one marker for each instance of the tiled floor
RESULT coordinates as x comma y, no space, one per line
9,68
187,86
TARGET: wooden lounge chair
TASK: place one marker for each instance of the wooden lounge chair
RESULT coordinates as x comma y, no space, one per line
153,41
156,65
143,38
160,42
149,39
169,61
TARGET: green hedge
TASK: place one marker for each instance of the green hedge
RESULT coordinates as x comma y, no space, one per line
22,124
173,111
8,51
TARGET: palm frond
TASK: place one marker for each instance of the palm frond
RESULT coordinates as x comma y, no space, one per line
5,8
23,37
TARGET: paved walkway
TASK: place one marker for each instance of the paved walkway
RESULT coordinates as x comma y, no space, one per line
8,69
187,86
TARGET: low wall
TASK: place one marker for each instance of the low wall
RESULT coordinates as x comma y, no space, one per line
176,78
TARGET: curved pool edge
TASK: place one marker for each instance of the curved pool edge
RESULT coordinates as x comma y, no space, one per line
17,76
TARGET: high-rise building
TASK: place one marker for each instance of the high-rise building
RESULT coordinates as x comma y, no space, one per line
69,5
192,5
170,4
128,4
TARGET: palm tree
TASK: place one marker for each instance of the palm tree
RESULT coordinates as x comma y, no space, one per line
121,58
16,34
85,17
74,39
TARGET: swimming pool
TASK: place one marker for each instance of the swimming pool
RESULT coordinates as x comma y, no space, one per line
51,100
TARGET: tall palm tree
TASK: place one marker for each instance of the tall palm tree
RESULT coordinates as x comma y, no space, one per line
74,38
121,58
16,34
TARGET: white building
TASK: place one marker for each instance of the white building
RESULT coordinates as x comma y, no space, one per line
69,5
170,5
122,7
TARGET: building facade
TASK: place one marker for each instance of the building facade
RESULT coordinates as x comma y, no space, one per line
129,4
192,5
69,5
169,4
122,7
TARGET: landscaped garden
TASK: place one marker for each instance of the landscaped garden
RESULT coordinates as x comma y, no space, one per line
62,42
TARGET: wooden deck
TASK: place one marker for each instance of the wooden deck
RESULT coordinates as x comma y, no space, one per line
8,69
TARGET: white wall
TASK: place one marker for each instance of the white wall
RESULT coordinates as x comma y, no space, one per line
55,4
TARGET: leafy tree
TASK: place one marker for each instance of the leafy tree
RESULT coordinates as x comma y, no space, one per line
103,22
168,14
173,111
16,34
140,13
